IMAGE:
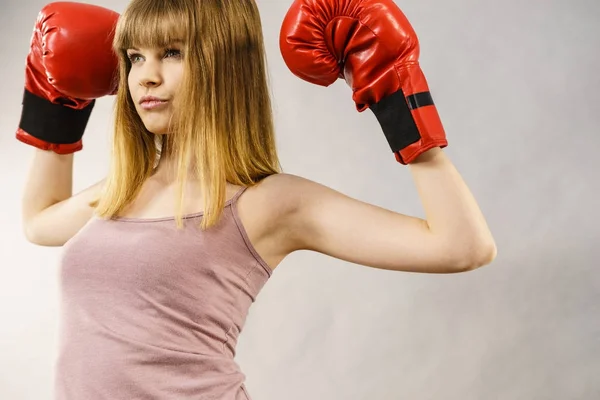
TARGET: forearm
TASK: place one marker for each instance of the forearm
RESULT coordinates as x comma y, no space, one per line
450,208
50,181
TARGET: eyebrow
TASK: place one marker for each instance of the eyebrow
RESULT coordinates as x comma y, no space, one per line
177,41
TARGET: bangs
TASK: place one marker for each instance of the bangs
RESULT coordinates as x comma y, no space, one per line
151,23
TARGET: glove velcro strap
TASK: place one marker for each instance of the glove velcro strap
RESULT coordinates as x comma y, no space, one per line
396,120
53,123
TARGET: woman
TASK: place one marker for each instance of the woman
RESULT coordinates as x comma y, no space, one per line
164,257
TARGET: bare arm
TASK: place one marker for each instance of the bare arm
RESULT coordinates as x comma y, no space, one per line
453,238
51,215
452,214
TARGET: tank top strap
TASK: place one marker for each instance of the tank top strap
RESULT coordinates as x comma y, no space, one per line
242,230
236,196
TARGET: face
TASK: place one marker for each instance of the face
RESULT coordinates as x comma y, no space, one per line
153,82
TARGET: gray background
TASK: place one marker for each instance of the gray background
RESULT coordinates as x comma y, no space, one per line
517,87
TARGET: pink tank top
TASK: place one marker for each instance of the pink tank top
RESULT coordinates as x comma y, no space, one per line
152,312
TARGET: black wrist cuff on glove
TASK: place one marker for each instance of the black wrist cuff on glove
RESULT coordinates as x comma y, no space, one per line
394,115
53,123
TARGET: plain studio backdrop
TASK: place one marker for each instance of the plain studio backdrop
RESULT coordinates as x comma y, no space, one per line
517,86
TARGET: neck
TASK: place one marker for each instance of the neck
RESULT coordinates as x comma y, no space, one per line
166,170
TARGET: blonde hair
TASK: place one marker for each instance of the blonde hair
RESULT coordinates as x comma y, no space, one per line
223,127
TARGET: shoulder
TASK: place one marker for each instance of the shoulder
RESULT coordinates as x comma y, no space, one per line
268,211
273,206
285,205
276,195
287,193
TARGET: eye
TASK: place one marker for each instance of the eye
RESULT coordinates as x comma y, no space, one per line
173,53
133,57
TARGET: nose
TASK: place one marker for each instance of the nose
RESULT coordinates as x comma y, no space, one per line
150,76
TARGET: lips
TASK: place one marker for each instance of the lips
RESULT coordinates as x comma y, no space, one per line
152,102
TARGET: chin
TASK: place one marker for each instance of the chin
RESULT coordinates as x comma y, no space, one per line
157,123
157,129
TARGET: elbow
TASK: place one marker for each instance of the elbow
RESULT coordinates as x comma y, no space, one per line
38,240
32,235
477,256
28,228
27,231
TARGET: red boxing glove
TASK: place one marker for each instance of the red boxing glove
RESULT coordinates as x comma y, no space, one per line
371,45
70,64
